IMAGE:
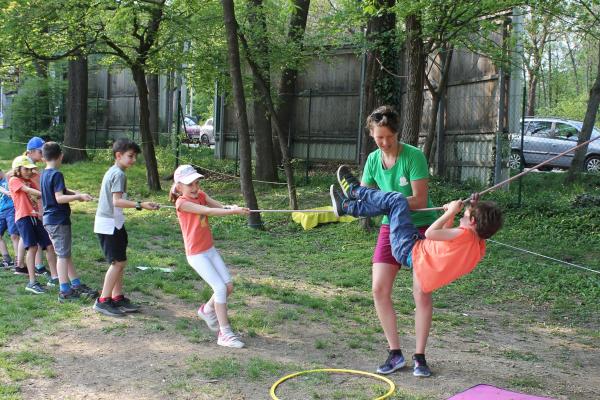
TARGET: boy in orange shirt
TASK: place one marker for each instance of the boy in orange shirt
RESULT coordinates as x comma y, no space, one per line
442,256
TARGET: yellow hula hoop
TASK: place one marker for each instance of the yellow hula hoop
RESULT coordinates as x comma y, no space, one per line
338,371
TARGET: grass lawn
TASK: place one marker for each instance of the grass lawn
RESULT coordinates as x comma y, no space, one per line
302,300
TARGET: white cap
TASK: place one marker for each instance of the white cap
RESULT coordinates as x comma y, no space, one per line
186,174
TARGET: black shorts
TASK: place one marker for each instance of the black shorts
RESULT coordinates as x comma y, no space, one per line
114,246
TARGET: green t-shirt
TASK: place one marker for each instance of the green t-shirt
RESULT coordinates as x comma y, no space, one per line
410,166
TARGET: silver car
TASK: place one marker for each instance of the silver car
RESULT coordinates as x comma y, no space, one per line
547,137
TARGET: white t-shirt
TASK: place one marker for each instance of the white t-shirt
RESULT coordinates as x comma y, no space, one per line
109,217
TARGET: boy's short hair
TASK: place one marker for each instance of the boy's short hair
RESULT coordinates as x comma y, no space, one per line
488,218
51,151
123,145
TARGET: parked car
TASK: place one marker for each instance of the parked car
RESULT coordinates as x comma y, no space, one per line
547,137
199,133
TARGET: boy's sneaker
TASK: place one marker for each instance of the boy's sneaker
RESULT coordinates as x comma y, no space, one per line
229,340
346,180
421,368
42,271
107,308
393,363
52,282
85,291
68,296
35,288
337,200
125,305
7,263
21,271
210,318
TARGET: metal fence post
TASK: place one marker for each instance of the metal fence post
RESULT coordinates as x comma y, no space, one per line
308,139
133,122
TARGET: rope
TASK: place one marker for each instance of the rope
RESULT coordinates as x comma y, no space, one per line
512,178
543,256
227,175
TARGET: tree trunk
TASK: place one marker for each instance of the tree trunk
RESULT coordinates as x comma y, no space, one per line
139,77
586,130
75,138
266,169
413,109
381,66
531,94
289,76
239,99
152,80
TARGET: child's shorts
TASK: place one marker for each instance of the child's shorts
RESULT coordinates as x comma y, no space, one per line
114,246
60,235
383,249
7,222
32,232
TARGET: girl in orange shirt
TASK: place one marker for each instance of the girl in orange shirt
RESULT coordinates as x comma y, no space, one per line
193,209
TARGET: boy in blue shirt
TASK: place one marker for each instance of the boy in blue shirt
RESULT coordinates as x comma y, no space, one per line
57,222
7,222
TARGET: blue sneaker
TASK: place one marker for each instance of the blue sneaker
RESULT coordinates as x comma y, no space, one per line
421,368
393,363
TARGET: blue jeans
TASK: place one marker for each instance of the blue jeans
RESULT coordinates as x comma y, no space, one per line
371,202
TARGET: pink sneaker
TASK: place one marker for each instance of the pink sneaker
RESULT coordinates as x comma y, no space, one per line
210,318
229,340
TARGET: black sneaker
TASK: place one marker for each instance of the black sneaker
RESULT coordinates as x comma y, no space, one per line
42,271
86,292
346,180
126,305
337,199
7,263
21,271
35,288
68,296
421,369
107,308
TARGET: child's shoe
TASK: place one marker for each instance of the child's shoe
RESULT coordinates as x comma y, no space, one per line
85,291
421,368
68,296
107,308
125,305
346,180
7,262
35,288
21,271
394,362
229,340
209,318
337,201
40,270
52,282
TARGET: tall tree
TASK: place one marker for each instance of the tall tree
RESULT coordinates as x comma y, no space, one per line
415,74
239,100
75,139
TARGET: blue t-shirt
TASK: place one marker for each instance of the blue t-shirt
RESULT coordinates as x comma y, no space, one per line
5,201
53,181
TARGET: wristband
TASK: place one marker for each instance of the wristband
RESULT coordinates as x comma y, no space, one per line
138,205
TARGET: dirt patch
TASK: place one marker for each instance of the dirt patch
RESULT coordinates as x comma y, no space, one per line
152,356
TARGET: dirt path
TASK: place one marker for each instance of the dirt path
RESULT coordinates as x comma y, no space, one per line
145,357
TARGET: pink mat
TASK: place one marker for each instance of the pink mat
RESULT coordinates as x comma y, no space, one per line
487,392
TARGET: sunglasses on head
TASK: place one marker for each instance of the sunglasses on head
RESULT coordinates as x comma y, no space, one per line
378,116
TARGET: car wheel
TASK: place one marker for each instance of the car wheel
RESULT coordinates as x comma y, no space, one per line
204,139
592,164
515,160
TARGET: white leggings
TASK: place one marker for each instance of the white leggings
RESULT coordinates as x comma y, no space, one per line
210,266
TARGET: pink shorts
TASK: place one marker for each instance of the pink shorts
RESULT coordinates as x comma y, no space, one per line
383,250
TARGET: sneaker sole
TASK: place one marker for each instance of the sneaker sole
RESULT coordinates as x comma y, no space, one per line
396,368
334,203
34,291
20,273
232,347
129,310
106,312
339,179
420,375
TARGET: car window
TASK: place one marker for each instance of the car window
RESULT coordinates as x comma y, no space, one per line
566,131
539,129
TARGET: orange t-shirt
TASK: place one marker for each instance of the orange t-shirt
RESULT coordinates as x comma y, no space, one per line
437,263
24,205
194,227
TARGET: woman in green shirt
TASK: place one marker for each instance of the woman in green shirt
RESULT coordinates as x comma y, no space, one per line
397,167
